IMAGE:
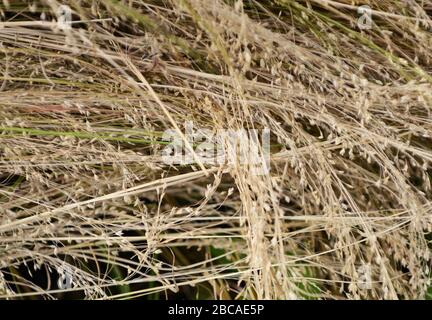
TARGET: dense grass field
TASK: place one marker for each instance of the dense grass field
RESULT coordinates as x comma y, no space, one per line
123,174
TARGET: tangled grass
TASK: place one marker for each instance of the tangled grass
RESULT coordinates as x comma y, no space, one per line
345,211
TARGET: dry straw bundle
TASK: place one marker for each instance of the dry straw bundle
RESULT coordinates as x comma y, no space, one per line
90,209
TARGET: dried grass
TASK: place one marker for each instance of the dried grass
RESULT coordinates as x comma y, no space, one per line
84,188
